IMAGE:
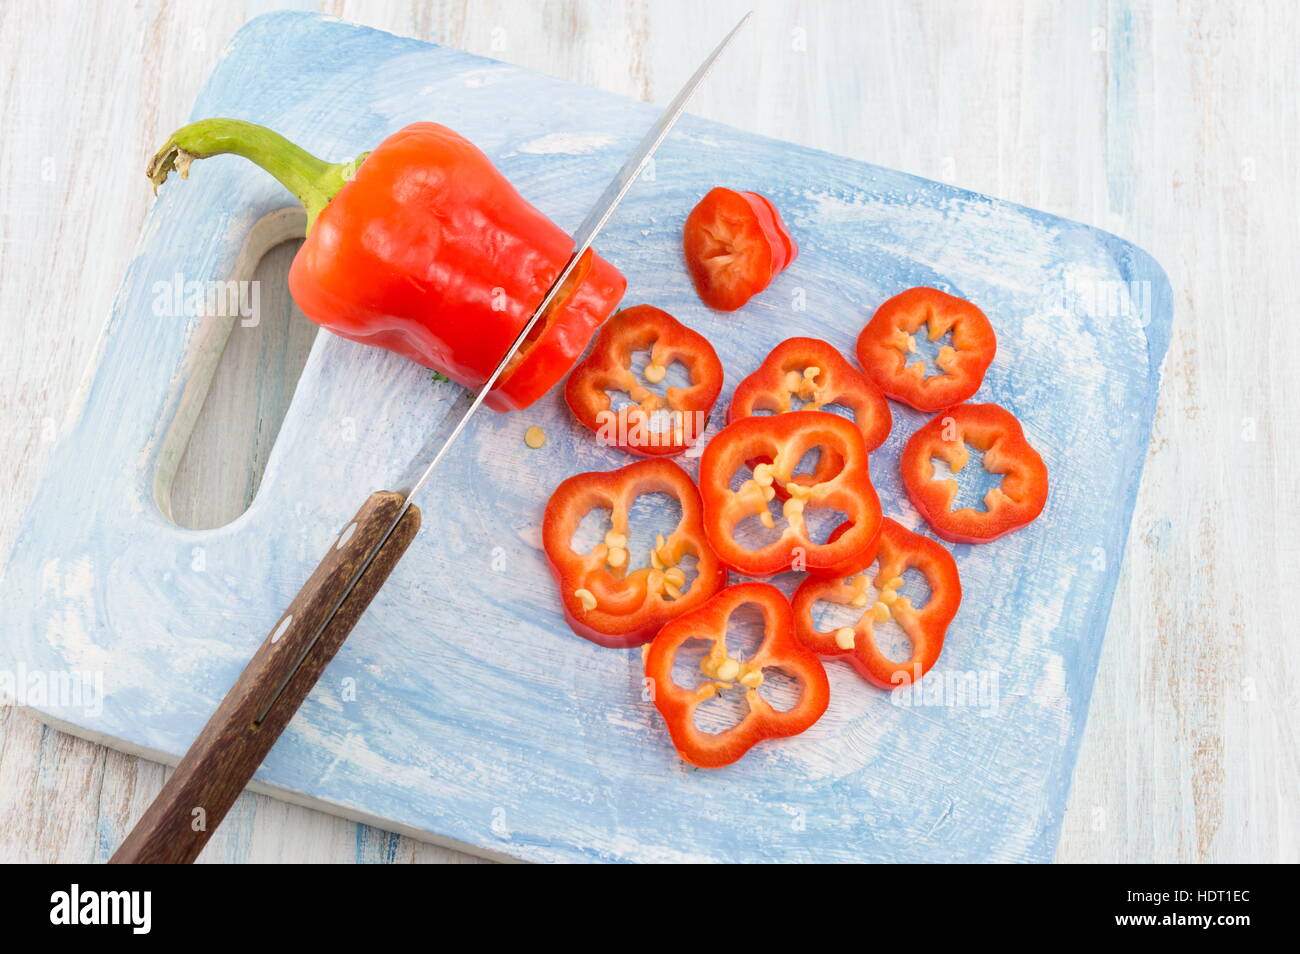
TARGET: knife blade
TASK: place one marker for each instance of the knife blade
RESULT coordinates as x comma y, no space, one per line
287,664
440,442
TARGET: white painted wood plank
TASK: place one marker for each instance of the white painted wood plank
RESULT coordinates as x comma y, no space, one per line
1172,124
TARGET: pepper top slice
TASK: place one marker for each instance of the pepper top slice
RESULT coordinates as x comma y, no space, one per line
996,433
779,650
735,243
654,425
900,550
604,599
784,439
887,342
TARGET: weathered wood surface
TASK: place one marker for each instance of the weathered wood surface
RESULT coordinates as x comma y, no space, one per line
1173,125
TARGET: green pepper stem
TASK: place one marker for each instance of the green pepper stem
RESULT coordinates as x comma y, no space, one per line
314,182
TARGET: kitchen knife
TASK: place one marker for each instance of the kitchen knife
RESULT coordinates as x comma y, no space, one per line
269,691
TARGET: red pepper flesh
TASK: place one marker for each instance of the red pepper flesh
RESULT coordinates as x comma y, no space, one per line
887,340
995,432
423,248
784,439
785,375
900,550
655,425
721,672
735,244
605,600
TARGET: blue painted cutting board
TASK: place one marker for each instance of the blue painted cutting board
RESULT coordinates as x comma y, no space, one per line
462,708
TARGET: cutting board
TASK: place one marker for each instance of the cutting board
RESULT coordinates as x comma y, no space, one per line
462,709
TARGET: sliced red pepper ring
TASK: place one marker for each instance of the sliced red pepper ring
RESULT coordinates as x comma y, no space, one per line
784,439
812,371
887,342
995,433
720,672
900,550
655,425
735,244
604,600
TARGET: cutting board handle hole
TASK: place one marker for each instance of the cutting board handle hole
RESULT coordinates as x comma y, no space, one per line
246,368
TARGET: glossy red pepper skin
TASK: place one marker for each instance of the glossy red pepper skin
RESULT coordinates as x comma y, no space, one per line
735,244
997,434
783,439
900,550
631,605
885,344
430,252
423,248
778,650
608,368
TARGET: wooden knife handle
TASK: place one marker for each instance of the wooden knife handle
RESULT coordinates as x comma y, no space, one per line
233,744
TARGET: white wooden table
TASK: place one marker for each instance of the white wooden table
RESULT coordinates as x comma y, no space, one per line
1176,125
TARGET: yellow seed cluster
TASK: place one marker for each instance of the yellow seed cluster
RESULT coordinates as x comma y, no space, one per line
727,671
761,485
889,592
793,510
881,611
860,584
794,507
616,549
944,360
670,576
804,385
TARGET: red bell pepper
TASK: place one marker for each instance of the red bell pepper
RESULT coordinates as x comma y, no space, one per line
656,425
604,600
783,439
900,550
780,650
817,374
995,432
735,244
422,247
887,340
